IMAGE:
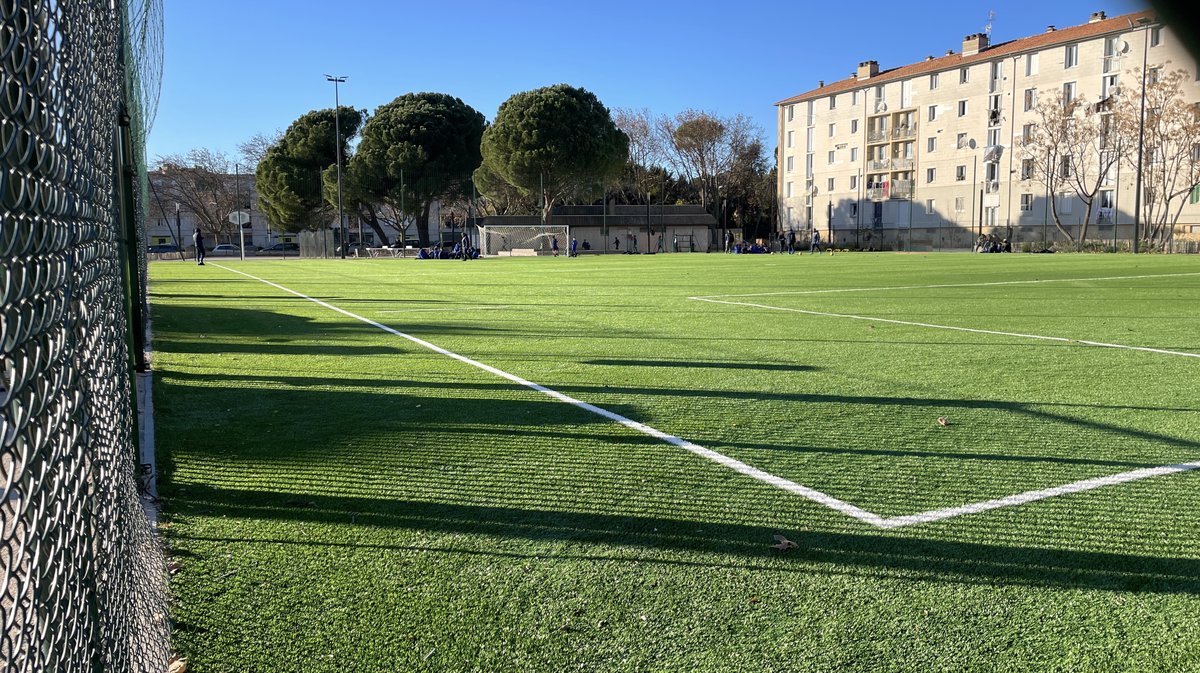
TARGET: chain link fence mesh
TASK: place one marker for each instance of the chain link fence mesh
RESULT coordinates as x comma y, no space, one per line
83,574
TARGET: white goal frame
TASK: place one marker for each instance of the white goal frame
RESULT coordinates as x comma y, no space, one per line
522,239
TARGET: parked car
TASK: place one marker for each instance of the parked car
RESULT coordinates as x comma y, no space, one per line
280,249
162,247
229,249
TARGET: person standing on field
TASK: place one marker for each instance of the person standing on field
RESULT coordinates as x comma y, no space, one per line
816,242
791,242
574,247
554,245
198,240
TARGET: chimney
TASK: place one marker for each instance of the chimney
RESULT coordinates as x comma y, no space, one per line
1049,29
867,70
973,44
949,52
1096,16
928,58
820,83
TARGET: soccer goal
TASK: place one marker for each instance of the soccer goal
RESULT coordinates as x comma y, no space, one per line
516,239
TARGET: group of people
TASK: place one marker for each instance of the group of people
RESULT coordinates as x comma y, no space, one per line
463,250
572,251
787,243
992,243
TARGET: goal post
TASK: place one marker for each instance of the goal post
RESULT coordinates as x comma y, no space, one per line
522,239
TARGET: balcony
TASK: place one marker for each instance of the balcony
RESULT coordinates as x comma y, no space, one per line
879,164
902,189
904,132
877,193
877,136
1112,63
902,164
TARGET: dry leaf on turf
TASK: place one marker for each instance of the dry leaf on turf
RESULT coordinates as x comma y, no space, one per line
942,421
784,544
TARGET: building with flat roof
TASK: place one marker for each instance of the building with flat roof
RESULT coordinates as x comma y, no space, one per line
922,156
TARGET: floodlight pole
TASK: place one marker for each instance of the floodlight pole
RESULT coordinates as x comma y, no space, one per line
337,138
237,208
1137,189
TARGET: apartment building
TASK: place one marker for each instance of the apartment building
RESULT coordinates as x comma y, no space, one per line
922,156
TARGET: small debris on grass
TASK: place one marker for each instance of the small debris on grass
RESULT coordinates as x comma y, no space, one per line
943,421
783,544
428,654
174,567
601,623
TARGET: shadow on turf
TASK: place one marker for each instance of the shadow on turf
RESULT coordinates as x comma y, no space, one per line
820,552
703,364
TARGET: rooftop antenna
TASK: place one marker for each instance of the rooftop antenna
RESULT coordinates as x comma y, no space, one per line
987,29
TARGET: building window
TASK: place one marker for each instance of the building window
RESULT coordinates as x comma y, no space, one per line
854,97
789,138
808,215
993,137
960,173
789,214
961,141
830,184
1155,36
931,144
1030,99
853,210
1195,197
1068,93
1027,133
788,192
960,204
810,135
964,75
1066,203
854,126
1064,168
791,112
1071,56
1026,202
853,182
808,165
832,156
1027,169
1031,64
853,154
1152,75
930,173
933,81
790,164
962,108
930,206
932,113
833,102
832,130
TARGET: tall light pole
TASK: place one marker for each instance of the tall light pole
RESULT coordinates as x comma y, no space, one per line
237,208
337,136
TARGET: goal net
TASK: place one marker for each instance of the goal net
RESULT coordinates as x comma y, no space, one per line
510,239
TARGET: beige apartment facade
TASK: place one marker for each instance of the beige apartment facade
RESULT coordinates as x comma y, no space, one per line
927,156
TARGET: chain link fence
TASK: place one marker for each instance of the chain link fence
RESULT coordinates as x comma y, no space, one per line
83,584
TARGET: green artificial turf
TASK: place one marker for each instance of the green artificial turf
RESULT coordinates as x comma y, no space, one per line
343,499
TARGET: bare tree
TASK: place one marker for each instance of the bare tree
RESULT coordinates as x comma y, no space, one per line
202,182
1170,148
645,148
704,147
1074,149
253,150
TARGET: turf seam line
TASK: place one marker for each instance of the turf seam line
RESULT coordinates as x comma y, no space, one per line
748,470
945,285
1085,342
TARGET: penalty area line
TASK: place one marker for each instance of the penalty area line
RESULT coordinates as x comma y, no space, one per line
738,466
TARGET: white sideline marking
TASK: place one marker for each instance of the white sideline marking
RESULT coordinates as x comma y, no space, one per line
456,308
951,327
933,287
749,470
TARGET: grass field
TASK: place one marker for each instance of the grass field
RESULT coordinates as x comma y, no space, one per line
343,498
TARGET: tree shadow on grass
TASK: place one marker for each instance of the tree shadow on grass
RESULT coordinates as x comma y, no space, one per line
714,544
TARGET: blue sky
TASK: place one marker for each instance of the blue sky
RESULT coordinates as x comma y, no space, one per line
234,69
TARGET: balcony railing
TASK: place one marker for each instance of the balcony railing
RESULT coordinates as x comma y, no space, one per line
1112,63
876,136
879,164
902,189
905,131
902,164
876,193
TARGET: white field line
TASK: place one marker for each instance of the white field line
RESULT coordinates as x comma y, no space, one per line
749,470
933,287
951,327
456,308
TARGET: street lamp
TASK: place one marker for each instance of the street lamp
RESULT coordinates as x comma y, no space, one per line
1137,189
337,137
237,208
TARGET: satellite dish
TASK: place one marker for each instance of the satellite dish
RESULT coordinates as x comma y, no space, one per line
971,143
814,189
1122,46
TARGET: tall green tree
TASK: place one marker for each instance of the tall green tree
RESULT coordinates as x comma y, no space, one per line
558,142
288,177
415,150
